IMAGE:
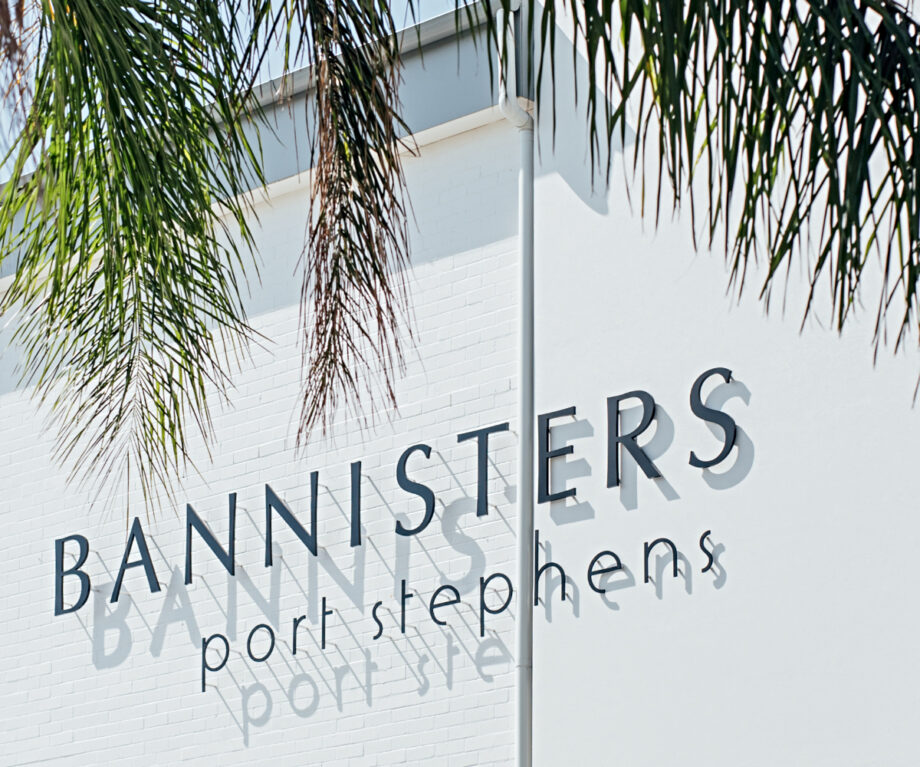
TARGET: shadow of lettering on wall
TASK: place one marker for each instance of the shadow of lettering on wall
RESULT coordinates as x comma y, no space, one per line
446,614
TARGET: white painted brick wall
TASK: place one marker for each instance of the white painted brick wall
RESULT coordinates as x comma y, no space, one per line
799,649
108,687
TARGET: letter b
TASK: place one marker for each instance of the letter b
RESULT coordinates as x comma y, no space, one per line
60,572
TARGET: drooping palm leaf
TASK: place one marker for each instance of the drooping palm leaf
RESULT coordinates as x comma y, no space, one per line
798,121
353,305
125,287
19,26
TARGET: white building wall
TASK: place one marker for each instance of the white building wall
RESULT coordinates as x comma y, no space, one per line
798,646
122,685
795,648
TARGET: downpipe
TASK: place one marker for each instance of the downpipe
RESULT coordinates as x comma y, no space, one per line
513,112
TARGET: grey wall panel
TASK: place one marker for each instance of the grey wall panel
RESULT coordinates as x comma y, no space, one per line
443,80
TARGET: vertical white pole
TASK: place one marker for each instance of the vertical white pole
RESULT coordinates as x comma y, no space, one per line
525,522
517,116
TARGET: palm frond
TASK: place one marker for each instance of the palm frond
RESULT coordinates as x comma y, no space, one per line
796,121
799,118
353,308
19,26
125,286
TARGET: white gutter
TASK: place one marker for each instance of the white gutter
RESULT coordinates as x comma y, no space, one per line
512,111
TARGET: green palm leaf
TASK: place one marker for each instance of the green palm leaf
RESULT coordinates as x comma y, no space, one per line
125,285
794,124
353,306
797,122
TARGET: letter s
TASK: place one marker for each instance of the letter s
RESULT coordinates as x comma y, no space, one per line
416,488
707,552
711,415
377,621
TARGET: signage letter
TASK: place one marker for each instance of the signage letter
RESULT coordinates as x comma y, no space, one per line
136,534
484,608
271,645
592,573
711,415
648,550
205,667
615,439
60,572
416,488
432,606
297,621
545,454
538,570
356,504
322,643
226,558
710,553
379,633
406,596
482,463
272,501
